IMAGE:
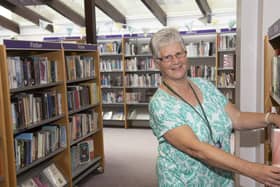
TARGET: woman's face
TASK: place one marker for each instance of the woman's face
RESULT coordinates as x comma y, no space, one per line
174,64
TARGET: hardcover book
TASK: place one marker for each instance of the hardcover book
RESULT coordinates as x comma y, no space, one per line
228,61
84,153
54,176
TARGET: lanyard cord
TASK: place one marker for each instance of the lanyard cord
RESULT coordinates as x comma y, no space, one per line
205,119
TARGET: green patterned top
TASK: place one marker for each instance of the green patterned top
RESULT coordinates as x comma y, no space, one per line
174,167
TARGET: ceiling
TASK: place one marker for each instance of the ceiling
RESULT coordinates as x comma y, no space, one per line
138,15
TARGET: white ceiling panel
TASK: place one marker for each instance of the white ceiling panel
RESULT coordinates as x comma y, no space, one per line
180,13
49,14
179,7
132,9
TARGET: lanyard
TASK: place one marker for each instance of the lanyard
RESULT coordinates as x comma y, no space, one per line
204,117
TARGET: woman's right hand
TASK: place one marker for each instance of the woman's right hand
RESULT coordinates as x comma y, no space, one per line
268,175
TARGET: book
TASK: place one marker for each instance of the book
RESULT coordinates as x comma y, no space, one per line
108,115
54,176
29,183
84,152
228,61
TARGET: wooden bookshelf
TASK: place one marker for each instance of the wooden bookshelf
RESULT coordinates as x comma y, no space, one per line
112,78
88,106
4,175
56,113
270,98
141,79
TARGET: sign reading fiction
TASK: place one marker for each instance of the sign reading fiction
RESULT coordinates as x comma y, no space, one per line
36,45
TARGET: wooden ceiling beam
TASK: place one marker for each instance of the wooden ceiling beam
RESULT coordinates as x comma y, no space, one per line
28,2
205,9
66,11
10,25
90,21
25,13
110,10
155,8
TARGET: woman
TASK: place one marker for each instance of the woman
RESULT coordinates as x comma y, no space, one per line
193,122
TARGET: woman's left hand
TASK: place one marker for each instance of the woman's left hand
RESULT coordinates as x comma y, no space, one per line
274,118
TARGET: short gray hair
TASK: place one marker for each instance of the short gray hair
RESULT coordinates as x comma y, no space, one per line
164,37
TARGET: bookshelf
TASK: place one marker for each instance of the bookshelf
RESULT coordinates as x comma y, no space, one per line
226,65
201,48
141,79
84,108
112,80
271,85
38,131
4,182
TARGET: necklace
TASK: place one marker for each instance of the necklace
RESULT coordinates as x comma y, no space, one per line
204,117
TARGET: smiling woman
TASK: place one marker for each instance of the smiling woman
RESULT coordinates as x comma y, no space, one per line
193,121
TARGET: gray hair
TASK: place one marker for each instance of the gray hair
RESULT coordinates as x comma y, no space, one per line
163,38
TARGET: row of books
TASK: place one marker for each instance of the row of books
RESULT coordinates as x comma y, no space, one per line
226,80
114,47
138,97
143,80
228,93
130,48
50,176
275,83
29,108
109,80
227,41
81,95
79,67
82,124
204,71
112,97
111,65
32,146
82,153
140,113
113,115
143,63
31,70
201,48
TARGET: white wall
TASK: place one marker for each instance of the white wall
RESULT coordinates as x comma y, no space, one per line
256,16
249,78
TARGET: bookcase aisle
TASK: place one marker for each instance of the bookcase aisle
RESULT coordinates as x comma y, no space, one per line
129,77
50,109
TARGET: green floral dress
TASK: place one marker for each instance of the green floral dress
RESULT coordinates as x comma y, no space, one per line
176,168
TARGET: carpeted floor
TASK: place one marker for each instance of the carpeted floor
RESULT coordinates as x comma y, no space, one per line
130,159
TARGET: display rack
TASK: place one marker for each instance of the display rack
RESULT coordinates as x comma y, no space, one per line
37,125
